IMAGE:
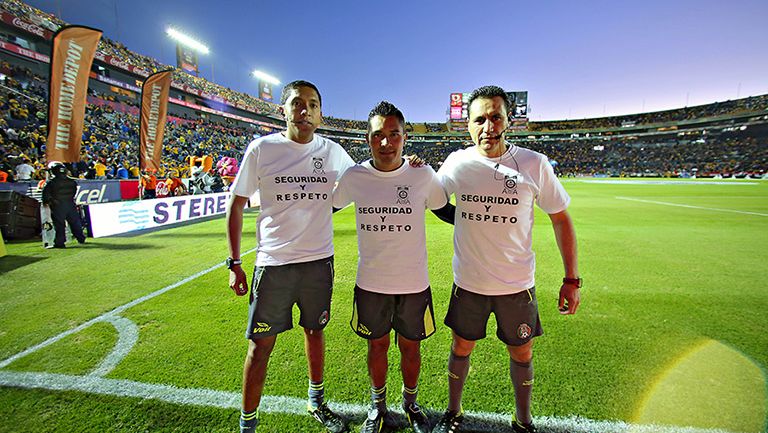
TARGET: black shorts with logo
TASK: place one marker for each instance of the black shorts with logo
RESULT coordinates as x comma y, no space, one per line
275,289
517,315
375,314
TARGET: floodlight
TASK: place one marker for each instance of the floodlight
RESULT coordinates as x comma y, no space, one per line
186,40
265,77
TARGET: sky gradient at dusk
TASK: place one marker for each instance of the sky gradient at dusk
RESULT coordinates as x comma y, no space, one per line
576,59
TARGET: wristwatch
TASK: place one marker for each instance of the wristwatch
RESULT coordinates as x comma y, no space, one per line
230,262
575,281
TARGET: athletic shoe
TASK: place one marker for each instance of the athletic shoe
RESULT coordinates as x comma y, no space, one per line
519,427
416,418
375,421
333,422
449,423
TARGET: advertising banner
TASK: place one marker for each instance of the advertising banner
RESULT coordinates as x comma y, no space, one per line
154,109
113,218
71,58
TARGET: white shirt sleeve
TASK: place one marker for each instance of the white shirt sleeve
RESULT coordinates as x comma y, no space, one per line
341,195
246,182
436,197
552,197
445,175
342,159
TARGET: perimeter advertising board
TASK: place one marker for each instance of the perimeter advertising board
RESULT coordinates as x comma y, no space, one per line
114,218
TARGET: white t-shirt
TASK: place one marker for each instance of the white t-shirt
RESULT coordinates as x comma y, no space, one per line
494,216
24,171
295,183
389,214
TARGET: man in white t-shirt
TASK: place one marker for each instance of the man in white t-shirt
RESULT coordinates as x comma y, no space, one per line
294,172
392,286
24,171
496,186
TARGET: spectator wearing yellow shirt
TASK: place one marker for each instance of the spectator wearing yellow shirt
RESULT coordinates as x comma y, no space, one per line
101,170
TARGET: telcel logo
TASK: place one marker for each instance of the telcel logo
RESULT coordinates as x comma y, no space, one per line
88,196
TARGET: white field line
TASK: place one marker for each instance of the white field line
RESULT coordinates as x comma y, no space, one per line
297,406
670,182
114,312
693,207
127,336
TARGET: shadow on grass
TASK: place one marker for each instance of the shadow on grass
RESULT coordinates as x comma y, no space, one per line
220,234
117,247
345,232
10,263
396,422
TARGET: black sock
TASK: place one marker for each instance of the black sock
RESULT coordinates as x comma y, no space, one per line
458,369
316,394
522,380
409,395
379,398
249,421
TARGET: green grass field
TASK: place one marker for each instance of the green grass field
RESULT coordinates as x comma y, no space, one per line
672,329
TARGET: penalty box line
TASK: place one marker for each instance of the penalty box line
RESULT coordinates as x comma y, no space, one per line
478,421
111,313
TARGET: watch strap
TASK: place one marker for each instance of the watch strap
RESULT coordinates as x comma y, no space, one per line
575,281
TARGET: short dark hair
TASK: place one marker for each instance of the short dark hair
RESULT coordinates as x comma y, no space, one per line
490,92
385,109
294,85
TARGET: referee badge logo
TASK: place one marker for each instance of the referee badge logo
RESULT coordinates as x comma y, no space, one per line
402,194
510,185
317,166
523,331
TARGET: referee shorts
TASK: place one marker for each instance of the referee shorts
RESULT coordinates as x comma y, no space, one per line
275,289
517,315
410,315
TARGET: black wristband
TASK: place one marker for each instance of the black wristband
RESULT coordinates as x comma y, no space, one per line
575,281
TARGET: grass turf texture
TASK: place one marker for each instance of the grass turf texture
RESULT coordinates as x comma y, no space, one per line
660,282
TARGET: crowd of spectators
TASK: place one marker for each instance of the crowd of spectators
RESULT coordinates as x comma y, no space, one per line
118,50
714,155
148,64
345,124
110,141
636,156
754,104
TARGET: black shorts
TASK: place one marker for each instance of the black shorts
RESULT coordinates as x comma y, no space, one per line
517,315
375,314
275,289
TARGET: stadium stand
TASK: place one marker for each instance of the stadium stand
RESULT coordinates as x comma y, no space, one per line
721,139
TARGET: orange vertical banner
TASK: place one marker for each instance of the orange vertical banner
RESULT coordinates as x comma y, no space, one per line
154,110
72,54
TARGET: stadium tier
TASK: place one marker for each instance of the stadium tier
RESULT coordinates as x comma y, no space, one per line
721,139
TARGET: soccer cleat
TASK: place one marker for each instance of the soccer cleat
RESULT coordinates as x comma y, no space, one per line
333,422
519,427
417,419
375,421
449,423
